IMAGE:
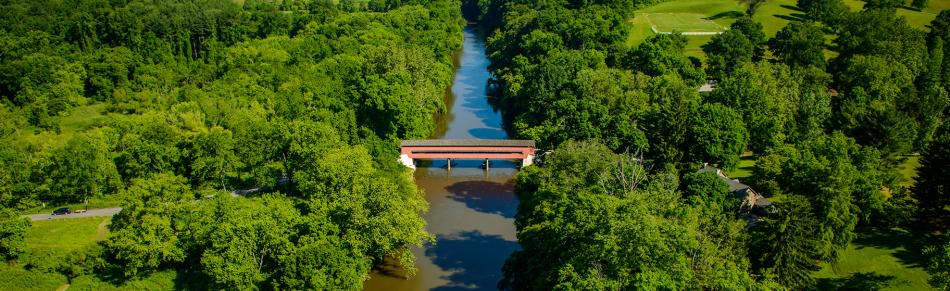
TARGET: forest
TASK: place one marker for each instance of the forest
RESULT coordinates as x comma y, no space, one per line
828,109
253,144
191,100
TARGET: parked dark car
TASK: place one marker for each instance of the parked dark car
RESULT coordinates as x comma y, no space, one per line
61,211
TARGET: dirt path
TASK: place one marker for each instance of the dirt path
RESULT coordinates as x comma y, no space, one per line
102,229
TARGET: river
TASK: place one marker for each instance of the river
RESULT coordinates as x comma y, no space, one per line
471,211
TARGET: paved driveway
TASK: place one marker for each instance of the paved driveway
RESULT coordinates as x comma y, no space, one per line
89,213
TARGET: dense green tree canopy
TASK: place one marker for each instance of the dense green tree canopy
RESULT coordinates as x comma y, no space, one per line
717,136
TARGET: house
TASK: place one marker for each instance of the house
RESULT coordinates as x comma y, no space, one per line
752,202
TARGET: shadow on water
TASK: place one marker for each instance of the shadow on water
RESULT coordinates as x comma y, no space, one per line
473,256
488,133
486,197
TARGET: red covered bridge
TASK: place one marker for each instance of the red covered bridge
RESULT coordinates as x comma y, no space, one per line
468,149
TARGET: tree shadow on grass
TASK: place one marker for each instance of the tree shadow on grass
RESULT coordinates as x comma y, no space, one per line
790,7
856,281
726,14
474,258
486,197
792,17
907,244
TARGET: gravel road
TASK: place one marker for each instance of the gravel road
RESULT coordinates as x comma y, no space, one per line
89,213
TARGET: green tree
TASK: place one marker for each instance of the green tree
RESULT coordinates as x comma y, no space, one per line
81,168
672,104
243,240
146,233
883,4
644,238
783,244
662,54
800,44
919,4
840,178
213,158
939,265
828,11
708,188
717,136
727,51
931,183
13,230
763,94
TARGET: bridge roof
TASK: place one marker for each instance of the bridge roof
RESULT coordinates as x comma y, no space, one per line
467,143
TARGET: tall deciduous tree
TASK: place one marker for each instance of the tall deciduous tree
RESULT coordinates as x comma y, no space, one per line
146,233
717,136
764,96
672,104
82,168
213,157
800,44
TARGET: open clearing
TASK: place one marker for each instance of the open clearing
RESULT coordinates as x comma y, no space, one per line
888,258
702,15
681,22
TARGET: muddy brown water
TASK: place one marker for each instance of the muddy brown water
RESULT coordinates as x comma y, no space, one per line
471,211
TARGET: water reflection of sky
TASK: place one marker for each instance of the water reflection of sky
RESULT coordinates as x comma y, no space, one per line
471,210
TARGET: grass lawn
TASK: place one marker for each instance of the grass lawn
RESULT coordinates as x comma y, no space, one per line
75,120
744,169
64,235
773,15
908,170
888,258
681,22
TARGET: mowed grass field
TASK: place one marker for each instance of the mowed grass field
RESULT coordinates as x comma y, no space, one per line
681,22
886,258
698,15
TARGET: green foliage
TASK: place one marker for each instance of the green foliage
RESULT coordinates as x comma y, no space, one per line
828,11
143,235
13,229
763,95
575,234
702,188
800,44
784,244
932,183
662,54
717,136
80,169
839,178
939,265
742,43
668,121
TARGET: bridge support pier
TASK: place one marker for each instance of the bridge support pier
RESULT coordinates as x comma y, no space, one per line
449,164
487,164
405,160
527,161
